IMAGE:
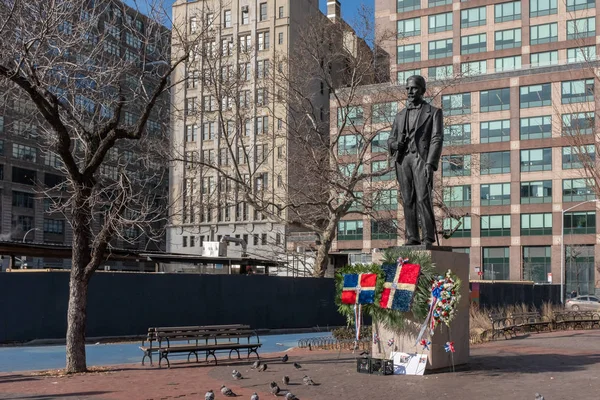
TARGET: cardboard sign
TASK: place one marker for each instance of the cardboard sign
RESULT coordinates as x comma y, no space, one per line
409,363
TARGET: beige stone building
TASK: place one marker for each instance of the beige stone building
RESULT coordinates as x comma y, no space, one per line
516,81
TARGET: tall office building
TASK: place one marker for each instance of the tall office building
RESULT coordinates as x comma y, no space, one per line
231,116
516,81
104,36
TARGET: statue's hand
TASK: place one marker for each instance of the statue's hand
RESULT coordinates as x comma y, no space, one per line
428,174
394,146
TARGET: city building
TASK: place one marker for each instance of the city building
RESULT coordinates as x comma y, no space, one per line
116,37
232,125
516,81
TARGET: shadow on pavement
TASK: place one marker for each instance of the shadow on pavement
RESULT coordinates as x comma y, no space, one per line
530,363
15,378
55,396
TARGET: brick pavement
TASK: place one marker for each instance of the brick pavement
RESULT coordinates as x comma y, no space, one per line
560,365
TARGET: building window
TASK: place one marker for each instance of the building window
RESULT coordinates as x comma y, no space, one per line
537,192
384,112
536,160
350,115
408,5
536,95
578,190
457,196
579,91
280,14
574,5
578,124
504,12
209,130
28,176
264,40
473,44
383,229
377,166
191,105
497,162
245,15
507,39
456,165
495,194
496,263
474,68
440,22
262,68
580,222
441,72
579,269
402,76
409,27
22,199
54,226
495,131
537,263
457,104
349,144
357,204
537,8
507,63
436,3
495,225
457,228
262,125
536,127
581,54
23,152
280,38
578,156
227,18
455,135
350,230
536,224
386,200
440,48
24,223
544,59
263,12
191,133
409,53
544,33
494,100
472,17
581,28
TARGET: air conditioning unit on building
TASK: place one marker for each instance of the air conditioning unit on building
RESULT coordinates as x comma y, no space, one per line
244,8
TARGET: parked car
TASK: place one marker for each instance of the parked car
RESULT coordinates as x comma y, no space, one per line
583,303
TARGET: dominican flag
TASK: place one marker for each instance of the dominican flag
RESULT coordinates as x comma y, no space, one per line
399,287
359,288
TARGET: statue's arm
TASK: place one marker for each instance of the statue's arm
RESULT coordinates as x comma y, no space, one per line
437,140
393,139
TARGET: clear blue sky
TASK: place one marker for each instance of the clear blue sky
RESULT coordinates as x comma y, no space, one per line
349,7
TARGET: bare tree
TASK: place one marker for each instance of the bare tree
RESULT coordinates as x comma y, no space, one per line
91,77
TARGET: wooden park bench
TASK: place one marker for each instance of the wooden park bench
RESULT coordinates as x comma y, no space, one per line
210,339
509,326
577,319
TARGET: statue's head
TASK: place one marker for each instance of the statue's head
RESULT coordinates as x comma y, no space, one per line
415,87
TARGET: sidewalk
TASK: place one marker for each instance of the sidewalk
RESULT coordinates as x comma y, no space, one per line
560,365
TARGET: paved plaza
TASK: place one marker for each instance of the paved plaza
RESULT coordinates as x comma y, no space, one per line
560,365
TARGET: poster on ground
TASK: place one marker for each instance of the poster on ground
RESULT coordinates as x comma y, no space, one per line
409,363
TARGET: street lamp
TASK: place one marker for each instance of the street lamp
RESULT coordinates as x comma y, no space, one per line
31,230
562,248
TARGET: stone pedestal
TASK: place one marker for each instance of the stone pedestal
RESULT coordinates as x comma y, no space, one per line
459,327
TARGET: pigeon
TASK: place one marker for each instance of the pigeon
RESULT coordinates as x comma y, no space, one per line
539,396
262,368
286,380
285,358
307,381
256,364
297,366
227,392
254,396
290,396
274,388
235,374
209,395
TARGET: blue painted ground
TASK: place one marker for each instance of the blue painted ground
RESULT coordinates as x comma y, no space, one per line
31,358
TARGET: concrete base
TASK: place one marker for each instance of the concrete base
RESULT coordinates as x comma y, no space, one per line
458,332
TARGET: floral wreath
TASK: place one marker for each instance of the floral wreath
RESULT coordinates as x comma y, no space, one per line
445,295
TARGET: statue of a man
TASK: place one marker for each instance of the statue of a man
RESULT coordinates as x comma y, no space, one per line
415,144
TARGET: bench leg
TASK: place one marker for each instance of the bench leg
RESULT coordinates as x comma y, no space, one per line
164,357
194,353
211,353
148,354
238,353
255,351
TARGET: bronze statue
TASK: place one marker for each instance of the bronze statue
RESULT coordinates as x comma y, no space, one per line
415,144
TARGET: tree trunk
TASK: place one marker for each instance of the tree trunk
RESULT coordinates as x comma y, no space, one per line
322,260
76,321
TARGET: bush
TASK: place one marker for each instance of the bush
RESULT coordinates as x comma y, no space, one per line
348,333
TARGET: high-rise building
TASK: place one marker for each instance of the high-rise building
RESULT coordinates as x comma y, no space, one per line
104,36
232,120
517,84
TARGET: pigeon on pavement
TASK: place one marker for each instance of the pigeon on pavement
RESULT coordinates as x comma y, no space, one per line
286,380
254,396
539,396
235,374
297,366
209,395
262,368
227,392
285,358
274,388
290,396
256,364
307,380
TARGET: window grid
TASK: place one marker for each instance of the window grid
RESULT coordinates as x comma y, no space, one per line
495,225
544,33
536,224
497,162
576,156
536,160
536,127
495,131
494,100
495,194
578,190
536,192
536,95
579,222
